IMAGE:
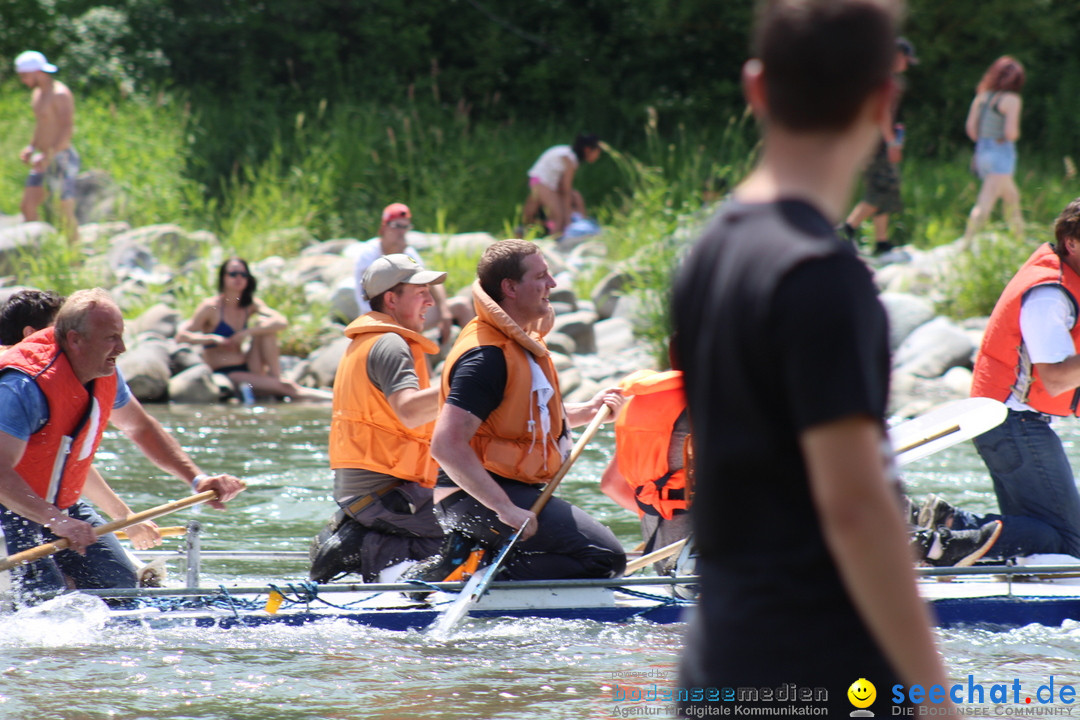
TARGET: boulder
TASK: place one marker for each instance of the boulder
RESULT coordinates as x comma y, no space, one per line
569,380
146,369
906,312
93,233
560,343
933,348
14,241
471,245
96,197
613,336
343,304
196,384
324,362
159,319
579,326
182,358
607,292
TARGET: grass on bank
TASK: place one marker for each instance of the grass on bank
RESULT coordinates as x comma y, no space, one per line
328,172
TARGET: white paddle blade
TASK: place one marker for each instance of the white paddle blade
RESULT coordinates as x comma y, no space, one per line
944,427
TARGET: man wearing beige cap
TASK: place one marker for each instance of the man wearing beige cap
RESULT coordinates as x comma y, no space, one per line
380,432
50,154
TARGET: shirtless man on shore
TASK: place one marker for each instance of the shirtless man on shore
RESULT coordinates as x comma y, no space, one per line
50,154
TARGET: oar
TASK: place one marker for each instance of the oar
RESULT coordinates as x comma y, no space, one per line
645,560
47,549
171,531
945,427
481,580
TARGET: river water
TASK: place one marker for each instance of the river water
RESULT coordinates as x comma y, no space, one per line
65,665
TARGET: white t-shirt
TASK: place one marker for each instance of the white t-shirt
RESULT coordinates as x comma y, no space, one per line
371,252
1046,314
549,168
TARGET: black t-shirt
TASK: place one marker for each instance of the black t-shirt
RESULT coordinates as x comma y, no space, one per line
477,386
779,330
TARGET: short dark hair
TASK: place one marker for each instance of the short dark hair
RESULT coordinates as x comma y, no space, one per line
248,293
379,300
503,260
823,58
1067,226
582,141
34,308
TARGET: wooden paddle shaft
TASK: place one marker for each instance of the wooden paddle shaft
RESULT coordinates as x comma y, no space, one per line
170,531
666,551
601,415
47,549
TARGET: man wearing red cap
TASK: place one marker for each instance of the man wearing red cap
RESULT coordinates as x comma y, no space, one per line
396,222
50,154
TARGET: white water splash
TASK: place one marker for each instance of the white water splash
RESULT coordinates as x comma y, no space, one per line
72,619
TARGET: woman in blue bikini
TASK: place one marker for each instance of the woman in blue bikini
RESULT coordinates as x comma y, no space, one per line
223,323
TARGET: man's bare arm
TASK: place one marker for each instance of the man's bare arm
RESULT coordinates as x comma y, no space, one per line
450,448
861,522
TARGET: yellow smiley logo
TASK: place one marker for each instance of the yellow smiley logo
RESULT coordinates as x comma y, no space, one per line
862,693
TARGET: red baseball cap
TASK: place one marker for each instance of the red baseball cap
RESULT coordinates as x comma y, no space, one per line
394,211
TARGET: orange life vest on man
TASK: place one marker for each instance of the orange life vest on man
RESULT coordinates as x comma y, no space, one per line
365,432
58,457
510,442
1002,354
643,440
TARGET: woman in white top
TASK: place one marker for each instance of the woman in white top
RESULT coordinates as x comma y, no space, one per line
551,182
993,123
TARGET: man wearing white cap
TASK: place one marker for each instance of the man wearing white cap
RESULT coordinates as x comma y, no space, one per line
50,154
380,432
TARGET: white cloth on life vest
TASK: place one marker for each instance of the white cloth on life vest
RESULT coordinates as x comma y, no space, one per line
539,398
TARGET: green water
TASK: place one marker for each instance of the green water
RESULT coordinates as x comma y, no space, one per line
66,666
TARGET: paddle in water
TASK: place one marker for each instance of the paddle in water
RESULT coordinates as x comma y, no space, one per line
479,582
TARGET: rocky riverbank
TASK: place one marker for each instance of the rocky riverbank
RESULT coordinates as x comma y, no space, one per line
594,337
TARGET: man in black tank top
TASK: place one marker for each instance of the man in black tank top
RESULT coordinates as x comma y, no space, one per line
806,576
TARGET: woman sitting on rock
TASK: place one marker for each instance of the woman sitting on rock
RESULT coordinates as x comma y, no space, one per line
223,323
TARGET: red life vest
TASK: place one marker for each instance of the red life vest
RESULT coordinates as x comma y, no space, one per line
58,456
643,439
365,432
510,442
1002,355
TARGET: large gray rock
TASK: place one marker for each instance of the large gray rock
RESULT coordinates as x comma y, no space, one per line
159,319
18,240
194,385
607,292
146,369
470,245
323,363
613,335
560,343
96,197
343,304
906,312
933,348
579,326
93,233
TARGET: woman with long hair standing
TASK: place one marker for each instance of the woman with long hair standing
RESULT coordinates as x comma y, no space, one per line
993,123
223,323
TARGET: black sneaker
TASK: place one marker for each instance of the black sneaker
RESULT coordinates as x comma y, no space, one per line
935,512
956,548
456,560
335,551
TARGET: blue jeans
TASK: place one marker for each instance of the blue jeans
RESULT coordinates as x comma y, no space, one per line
1036,492
105,564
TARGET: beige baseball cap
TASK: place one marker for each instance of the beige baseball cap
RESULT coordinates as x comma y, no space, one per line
389,270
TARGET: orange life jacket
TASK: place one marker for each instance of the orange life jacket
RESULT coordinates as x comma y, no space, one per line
365,432
510,442
643,439
58,456
1002,353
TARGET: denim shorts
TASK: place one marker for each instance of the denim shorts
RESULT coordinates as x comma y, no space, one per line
995,157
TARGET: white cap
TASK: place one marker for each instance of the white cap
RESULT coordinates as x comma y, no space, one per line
33,61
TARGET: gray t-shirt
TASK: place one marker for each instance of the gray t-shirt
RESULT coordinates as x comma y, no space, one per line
390,368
